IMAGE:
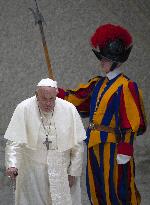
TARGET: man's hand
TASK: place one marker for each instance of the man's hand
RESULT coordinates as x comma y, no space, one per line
71,180
12,172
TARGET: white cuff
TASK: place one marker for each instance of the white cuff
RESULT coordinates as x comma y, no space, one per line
123,159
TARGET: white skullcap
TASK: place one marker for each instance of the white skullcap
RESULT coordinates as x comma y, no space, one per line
48,82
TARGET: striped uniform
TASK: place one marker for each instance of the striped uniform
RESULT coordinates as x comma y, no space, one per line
116,103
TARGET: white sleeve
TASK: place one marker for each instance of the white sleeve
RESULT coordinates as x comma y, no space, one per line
13,153
76,160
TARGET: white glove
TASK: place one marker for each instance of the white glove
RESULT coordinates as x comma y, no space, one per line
123,159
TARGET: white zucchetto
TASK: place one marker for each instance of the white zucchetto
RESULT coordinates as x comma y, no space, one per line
47,82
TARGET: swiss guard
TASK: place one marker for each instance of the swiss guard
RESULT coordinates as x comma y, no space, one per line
115,109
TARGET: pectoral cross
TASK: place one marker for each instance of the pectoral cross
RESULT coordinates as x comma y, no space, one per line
47,142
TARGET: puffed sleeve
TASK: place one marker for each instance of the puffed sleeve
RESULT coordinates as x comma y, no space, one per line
81,96
132,117
132,114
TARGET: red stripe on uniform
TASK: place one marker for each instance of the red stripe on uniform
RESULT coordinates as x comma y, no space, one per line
85,106
119,177
83,92
129,181
124,122
137,101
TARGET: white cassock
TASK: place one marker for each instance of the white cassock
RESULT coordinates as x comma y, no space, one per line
43,175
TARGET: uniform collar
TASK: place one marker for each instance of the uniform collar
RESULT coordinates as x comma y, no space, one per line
112,74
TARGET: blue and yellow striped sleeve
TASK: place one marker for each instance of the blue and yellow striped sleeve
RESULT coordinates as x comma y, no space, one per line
81,96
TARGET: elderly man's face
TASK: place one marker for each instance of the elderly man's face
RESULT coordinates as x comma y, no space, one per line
46,97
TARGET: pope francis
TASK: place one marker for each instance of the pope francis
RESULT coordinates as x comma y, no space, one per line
44,149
